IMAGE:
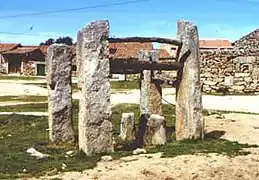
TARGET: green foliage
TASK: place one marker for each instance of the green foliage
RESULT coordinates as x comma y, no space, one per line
23,98
27,78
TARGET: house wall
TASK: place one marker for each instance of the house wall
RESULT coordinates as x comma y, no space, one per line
234,71
248,42
29,68
229,71
3,65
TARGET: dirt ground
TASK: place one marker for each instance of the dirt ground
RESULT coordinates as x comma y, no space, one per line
243,128
236,127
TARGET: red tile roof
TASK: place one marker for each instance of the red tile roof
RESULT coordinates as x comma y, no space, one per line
44,49
22,50
215,44
163,54
127,50
6,47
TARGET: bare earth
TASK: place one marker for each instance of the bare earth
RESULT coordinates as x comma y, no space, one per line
243,128
237,127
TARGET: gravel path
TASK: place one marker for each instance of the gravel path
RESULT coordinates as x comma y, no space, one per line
228,103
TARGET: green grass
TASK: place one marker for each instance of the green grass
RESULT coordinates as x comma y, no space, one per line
5,77
23,98
30,131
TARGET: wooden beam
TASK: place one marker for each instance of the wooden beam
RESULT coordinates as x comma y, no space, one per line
137,66
146,40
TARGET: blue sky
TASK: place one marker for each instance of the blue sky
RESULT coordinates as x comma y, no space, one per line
216,19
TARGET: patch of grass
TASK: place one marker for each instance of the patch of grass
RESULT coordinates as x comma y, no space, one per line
209,145
18,133
36,107
5,77
23,98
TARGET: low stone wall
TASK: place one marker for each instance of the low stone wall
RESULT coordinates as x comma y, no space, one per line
230,71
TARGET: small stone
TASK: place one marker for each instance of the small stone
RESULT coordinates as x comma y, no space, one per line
211,83
139,151
242,74
24,170
106,158
239,88
129,158
69,152
63,166
9,135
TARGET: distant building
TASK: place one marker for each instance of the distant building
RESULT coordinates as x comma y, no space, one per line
27,60
205,45
30,60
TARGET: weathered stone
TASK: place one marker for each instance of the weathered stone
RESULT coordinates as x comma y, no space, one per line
127,128
59,66
139,151
155,132
150,90
94,126
215,87
239,88
211,83
248,79
239,83
106,158
242,74
189,117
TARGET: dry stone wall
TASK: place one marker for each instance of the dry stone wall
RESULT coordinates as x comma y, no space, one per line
248,42
230,71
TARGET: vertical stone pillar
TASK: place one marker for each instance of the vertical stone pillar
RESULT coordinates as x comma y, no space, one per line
189,117
94,126
127,127
150,95
59,69
150,90
155,132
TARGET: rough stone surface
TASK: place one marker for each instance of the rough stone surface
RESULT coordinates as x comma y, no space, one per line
127,128
95,127
150,91
139,151
155,132
59,94
189,118
227,68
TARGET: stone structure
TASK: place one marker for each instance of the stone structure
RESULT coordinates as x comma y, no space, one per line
150,90
249,41
127,127
232,72
189,118
155,132
94,126
59,61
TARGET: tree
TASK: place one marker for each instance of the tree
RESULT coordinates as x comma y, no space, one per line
48,42
65,40
61,40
